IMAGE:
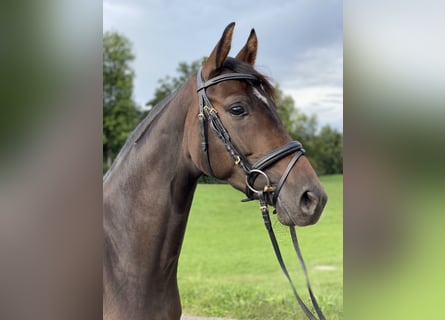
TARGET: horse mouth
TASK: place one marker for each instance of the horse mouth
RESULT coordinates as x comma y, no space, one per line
306,211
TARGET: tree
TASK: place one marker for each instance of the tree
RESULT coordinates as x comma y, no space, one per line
328,155
120,114
324,148
299,125
168,84
286,108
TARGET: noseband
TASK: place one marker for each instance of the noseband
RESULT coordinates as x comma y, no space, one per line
208,113
267,195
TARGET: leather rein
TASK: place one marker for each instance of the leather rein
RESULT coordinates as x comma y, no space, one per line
269,194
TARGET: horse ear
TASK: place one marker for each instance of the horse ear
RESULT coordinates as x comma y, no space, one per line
248,52
220,52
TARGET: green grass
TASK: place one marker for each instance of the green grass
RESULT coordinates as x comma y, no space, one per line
228,268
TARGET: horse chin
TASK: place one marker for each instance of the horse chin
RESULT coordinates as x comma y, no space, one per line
292,216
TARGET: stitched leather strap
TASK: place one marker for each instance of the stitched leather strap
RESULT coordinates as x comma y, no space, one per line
277,154
276,248
224,77
207,112
272,158
303,266
283,178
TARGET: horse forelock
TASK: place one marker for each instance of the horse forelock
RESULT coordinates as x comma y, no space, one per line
238,66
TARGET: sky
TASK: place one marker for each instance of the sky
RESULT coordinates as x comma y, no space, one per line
300,44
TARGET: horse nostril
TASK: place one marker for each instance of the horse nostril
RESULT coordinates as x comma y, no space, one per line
308,203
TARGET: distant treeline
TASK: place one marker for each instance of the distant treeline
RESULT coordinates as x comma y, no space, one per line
324,146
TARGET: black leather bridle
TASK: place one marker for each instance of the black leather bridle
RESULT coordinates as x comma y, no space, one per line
208,113
269,194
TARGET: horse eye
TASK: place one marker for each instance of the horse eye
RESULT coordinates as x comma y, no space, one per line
237,110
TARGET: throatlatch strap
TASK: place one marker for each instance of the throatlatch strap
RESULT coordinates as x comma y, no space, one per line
268,224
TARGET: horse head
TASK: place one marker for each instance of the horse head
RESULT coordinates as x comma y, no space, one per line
237,126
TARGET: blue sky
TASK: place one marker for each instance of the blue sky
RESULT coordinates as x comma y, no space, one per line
300,43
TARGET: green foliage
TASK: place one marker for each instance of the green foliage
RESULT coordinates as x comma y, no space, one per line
286,107
169,84
299,125
328,145
324,148
120,114
228,269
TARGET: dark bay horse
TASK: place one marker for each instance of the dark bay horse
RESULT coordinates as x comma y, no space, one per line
218,123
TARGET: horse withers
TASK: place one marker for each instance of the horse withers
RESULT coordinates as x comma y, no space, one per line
221,122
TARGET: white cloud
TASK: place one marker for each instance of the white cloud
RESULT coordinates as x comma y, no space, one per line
315,82
325,102
300,43
316,66
116,14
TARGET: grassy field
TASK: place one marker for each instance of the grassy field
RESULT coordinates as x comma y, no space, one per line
228,268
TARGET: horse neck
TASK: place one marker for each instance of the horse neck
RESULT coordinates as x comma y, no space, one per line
147,199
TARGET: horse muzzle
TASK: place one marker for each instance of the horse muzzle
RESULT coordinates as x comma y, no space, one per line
302,209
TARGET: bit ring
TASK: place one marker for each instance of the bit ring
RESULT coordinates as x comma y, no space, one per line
261,173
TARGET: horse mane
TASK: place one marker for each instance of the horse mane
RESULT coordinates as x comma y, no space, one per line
230,63
140,130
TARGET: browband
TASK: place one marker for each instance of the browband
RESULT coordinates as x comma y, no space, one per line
224,77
